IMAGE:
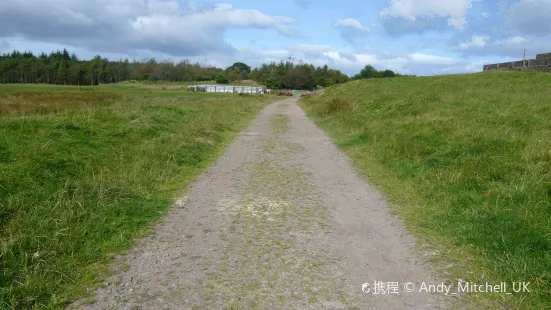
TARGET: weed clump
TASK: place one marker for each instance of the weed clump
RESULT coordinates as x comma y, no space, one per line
336,105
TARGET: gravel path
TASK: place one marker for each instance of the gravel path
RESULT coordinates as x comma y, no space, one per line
281,221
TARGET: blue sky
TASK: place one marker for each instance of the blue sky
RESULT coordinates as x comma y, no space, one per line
423,37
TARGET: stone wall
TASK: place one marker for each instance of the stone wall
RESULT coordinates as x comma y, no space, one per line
542,62
543,56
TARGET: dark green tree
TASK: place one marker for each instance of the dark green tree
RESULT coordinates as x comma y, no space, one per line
387,73
61,77
296,75
222,79
62,67
241,69
369,72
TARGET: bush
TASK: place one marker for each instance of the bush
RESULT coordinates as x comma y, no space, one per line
222,79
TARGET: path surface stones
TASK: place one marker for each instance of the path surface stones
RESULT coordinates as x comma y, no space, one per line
280,221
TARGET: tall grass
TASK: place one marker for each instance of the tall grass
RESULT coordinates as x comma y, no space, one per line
85,170
466,160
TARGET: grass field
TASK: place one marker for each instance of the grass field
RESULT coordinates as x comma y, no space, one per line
84,170
466,160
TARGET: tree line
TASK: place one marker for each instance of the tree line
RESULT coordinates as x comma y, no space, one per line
63,68
296,75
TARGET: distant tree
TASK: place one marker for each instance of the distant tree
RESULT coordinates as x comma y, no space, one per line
62,67
241,69
62,73
387,73
91,73
293,74
222,79
369,72
254,75
234,75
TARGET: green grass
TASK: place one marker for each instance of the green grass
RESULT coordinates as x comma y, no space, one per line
85,170
466,160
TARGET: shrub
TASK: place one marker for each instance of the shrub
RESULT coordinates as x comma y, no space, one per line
222,79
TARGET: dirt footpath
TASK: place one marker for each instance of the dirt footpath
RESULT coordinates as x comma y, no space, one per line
281,221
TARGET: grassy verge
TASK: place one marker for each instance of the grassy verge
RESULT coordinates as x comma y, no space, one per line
84,170
466,160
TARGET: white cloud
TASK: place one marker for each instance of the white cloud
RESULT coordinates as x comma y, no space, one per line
352,61
531,17
156,7
275,54
351,29
336,56
476,41
426,59
454,10
352,23
222,17
223,7
310,49
395,63
197,30
4,46
124,25
357,61
511,47
474,66
518,40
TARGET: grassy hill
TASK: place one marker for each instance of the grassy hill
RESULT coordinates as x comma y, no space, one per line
466,160
84,170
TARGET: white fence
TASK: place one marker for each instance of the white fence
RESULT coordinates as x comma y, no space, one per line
228,89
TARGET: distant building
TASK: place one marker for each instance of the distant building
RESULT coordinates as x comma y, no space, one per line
542,62
228,89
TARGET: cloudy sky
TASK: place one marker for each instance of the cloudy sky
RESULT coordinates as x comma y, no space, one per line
423,37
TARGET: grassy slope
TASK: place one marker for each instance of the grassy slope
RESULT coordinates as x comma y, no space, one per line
84,170
467,161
